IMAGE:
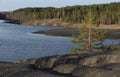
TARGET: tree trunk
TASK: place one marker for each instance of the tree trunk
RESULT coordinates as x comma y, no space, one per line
89,38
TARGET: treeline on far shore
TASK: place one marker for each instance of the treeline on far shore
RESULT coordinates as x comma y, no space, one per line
103,13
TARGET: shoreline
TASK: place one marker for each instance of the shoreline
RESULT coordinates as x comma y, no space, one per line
69,65
58,22
113,31
69,32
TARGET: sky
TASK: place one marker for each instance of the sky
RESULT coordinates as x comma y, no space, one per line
10,5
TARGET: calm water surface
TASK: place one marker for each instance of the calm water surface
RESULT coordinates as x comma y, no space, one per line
17,42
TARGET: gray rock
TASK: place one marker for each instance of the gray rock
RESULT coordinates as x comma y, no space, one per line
50,62
100,60
113,66
65,68
84,65
27,61
94,72
22,70
46,62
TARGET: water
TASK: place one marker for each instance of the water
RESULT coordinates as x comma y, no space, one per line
17,42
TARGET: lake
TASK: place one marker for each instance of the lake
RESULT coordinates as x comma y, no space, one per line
17,42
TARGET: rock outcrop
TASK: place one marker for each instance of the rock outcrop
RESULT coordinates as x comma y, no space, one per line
104,64
94,72
65,68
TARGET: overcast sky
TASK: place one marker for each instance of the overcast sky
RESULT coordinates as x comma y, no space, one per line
8,5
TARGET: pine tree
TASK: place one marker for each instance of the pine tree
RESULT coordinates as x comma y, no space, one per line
90,39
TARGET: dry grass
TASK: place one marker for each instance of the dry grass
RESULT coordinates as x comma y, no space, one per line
57,22
114,26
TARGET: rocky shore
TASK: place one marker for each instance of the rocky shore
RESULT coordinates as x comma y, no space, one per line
69,32
113,31
102,64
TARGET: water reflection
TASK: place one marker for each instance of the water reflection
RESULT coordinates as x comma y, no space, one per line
17,42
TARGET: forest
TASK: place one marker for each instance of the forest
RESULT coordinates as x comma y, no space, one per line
103,13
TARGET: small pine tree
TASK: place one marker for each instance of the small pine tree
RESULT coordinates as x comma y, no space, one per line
90,38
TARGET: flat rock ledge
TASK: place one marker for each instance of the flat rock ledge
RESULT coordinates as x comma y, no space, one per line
102,64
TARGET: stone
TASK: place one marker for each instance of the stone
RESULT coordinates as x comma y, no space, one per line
104,64
113,66
46,62
65,68
94,72
23,70
100,60
53,61
27,61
